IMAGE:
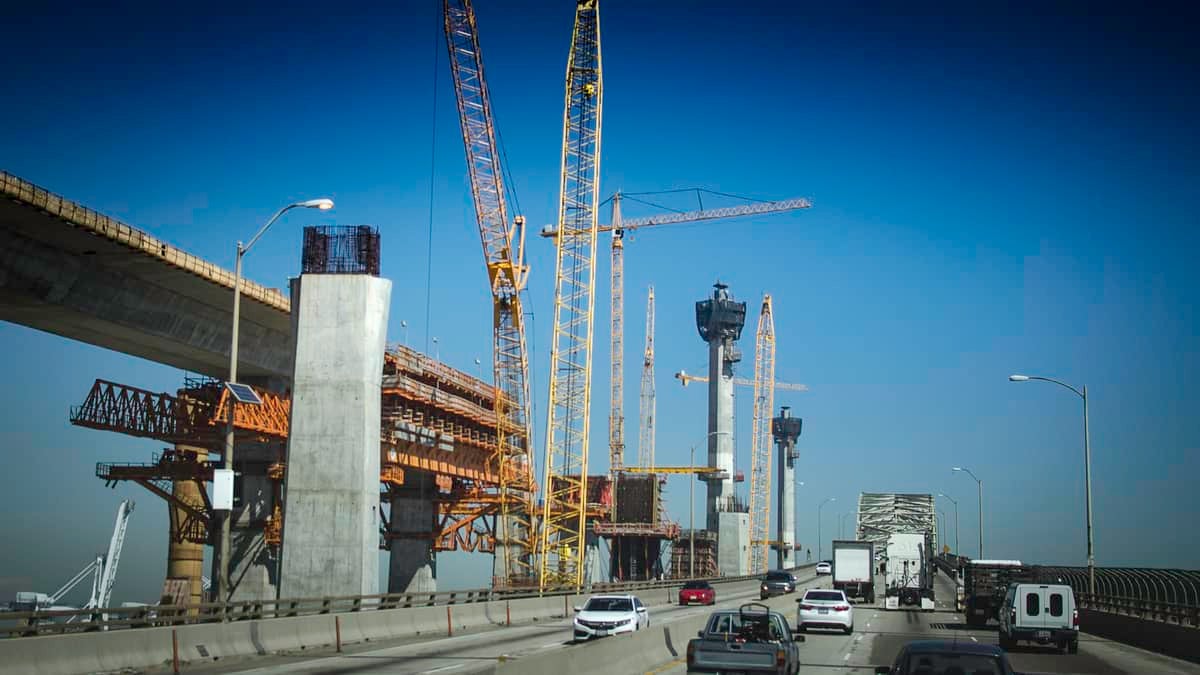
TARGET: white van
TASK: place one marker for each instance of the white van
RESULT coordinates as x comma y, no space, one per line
1041,613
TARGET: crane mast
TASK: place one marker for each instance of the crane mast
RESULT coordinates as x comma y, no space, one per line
563,522
646,428
616,414
503,252
760,440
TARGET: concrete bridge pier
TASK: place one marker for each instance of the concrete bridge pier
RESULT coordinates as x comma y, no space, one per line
413,564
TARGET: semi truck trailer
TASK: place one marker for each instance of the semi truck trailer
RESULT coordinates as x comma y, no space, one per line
853,569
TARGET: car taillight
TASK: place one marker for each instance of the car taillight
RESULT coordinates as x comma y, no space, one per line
841,608
780,658
691,652
808,608
1075,618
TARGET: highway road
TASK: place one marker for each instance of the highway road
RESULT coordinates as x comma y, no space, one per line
877,639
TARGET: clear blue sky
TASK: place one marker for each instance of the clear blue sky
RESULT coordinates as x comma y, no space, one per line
995,191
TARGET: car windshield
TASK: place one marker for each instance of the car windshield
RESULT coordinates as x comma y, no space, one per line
609,605
696,586
823,595
779,576
953,664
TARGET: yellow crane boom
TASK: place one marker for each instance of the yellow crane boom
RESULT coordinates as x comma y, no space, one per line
646,424
564,505
503,255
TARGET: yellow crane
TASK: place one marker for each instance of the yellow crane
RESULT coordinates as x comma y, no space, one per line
503,254
619,227
760,438
646,425
564,505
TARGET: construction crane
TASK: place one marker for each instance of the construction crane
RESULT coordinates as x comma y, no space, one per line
504,256
684,379
646,425
103,571
618,227
564,502
760,439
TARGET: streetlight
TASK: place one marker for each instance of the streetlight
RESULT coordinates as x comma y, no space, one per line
841,524
1087,469
478,369
968,471
223,590
952,500
404,332
692,507
819,507
941,527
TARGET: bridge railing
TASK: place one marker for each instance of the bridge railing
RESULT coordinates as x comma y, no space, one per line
48,622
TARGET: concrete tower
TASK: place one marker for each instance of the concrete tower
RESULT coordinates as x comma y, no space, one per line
786,429
720,321
340,313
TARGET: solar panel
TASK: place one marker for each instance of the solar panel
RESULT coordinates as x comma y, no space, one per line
243,393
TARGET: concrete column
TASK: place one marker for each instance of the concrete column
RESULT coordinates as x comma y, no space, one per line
253,566
331,523
720,430
185,560
786,429
412,566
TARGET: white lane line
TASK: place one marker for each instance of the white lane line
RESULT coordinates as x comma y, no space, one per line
973,639
445,668
551,644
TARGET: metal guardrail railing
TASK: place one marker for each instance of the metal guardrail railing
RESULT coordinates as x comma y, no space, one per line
50,622
1168,595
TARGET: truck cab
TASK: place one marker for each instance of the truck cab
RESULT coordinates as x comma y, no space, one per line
1040,613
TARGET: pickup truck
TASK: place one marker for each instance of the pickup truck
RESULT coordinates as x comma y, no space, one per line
751,639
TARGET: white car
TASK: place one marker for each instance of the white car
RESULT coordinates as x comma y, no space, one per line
824,608
610,615
824,568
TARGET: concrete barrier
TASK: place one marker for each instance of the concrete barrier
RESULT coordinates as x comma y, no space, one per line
1181,642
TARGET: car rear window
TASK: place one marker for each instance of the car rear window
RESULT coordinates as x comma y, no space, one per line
1056,604
1033,604
697,586
824,595
939,664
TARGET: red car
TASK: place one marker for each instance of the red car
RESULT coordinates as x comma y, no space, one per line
697,591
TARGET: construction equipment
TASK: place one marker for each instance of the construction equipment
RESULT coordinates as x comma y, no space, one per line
685,379
568,422
760,439
503,253
646,424
103,571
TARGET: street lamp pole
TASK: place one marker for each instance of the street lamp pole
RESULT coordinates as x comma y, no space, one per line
223,590
1087,468
980,483
819,507
953,501
692,518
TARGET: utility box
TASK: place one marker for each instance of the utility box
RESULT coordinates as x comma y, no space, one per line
222,496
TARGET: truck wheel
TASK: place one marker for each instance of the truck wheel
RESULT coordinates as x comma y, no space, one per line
848,629
871,598
1005,643
1073,648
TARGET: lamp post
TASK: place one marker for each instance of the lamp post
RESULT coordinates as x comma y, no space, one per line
692,518
223,590
952,501
941,527
968,471
1087,468
819,507
841,525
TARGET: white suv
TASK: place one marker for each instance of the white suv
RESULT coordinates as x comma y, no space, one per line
824,608
610,615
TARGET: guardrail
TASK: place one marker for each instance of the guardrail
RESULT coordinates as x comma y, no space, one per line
1165,595
49,622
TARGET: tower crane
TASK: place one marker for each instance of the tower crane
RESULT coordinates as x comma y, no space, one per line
646,425
564,501
618,227
504,257
684,379
760,439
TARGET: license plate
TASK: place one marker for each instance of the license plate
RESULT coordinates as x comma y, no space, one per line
600,632
822,611
1043,635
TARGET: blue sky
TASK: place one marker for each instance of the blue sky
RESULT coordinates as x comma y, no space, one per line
995,191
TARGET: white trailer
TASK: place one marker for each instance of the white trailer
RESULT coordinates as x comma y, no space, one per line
908,573
854,569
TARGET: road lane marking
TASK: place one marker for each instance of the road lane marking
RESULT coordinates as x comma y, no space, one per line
666,667
973,639
445,668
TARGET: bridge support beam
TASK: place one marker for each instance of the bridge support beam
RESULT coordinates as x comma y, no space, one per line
413,564
331,525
